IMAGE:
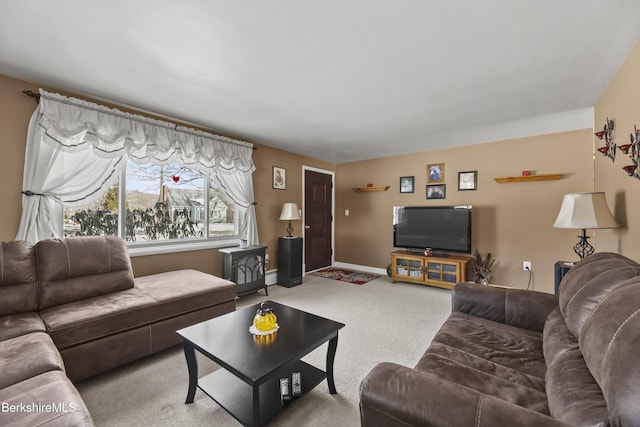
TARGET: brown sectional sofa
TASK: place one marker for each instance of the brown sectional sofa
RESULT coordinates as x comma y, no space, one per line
71,308
524,358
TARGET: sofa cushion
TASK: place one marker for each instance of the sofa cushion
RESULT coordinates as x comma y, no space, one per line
183,291
48,400
590,281
556,338
154,298
610,343
18,278
20,324
27,356
572,393
81,267
80,321
493,358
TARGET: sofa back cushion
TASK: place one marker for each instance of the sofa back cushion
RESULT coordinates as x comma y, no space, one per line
573,395
589,282
18,278
84,267
600,303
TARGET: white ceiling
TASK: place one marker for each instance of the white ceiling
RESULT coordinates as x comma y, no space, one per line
337,80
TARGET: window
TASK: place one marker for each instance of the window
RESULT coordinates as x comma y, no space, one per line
161,204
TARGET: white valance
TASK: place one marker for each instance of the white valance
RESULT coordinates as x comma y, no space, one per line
75,125
76,149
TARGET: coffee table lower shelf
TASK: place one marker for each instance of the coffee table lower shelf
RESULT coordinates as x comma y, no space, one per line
236,396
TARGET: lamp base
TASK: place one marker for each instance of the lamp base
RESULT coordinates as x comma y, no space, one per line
583,248
289,230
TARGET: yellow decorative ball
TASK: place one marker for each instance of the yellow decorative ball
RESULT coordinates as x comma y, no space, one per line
265,319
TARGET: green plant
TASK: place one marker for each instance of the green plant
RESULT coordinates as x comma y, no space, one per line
147,224
481,268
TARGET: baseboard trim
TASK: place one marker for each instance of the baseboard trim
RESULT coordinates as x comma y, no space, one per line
365,268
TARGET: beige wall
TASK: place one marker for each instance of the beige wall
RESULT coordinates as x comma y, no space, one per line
621,102
512,221
15,111
270,200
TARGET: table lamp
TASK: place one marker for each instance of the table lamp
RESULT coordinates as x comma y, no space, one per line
289,213
582,211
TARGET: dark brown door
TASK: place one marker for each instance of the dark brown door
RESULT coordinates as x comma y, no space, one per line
317,219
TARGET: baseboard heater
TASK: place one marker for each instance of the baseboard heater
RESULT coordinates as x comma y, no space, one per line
271,277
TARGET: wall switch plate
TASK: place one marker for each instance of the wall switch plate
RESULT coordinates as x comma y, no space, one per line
526,265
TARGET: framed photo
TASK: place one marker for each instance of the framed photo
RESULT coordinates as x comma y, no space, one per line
435,172
406,184
467,180
436,191
279,178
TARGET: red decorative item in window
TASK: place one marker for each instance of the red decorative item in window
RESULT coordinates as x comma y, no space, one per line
175,178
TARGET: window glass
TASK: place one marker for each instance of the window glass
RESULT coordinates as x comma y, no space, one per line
162,203
221,211
99,218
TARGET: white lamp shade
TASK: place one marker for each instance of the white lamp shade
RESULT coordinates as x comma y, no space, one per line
585,210
290,212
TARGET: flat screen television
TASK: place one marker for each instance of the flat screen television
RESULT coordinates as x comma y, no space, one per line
441,228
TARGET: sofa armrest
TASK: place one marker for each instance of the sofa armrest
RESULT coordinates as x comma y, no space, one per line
394,395
515,307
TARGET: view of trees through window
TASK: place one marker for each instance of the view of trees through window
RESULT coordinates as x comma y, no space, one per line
161,203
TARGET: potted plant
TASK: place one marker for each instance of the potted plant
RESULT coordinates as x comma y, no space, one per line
481,268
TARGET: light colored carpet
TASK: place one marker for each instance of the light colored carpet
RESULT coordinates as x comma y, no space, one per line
384,322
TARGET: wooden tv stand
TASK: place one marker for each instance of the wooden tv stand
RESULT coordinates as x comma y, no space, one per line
443,272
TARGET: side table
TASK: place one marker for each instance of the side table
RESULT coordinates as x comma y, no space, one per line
289,261
560,269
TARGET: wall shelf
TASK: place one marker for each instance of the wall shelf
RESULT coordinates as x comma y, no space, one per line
551,177
368,189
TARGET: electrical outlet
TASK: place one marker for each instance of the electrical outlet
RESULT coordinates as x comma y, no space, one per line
266,257
526,265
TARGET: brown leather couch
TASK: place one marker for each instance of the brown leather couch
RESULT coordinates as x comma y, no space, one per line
71,308
509,357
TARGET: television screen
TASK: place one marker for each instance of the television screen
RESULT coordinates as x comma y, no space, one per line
441,228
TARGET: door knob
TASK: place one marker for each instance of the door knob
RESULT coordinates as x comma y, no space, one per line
306,227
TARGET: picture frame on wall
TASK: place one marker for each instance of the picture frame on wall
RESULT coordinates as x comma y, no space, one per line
406,184
279,178
468,181
435,172
437,191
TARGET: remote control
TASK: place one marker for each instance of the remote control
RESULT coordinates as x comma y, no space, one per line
296,384
284,389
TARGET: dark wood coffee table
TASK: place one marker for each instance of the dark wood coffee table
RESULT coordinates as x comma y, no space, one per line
248,386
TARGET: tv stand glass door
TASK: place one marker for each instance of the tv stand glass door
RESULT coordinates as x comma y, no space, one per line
443,272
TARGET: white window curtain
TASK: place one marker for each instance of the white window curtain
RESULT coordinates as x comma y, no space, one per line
75,150
239,187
